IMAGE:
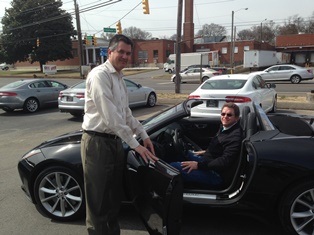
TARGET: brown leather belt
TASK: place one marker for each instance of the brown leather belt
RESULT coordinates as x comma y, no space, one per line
105,135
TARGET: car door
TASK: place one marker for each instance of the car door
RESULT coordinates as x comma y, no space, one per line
156,190
54,89
135,93
270,73
41,89
281,74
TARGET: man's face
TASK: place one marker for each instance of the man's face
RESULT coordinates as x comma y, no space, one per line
227,117
120,56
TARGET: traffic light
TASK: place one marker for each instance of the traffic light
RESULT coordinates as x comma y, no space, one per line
94,41
37,42
119,29
84,40
145,6
87,42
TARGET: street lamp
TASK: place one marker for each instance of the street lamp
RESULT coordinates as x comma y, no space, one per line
262,30
232,38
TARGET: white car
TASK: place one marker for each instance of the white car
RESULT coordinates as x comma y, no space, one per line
286,72
242,89
193,75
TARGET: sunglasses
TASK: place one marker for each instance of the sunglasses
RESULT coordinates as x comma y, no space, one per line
226,114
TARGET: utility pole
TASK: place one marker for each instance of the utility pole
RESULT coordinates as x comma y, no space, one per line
79,35
178,48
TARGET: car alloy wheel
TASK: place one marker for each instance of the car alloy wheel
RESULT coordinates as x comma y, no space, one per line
59,193
297,208
31,105
295,79
151,101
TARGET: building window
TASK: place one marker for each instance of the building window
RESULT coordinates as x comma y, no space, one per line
74,52
246,48
236,50
143,55
224,50
155,52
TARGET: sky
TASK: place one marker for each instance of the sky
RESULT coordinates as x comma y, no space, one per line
162,20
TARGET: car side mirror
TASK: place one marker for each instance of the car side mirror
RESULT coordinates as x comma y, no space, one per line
270,85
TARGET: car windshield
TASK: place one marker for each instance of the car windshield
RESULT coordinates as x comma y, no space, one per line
223,84
14,84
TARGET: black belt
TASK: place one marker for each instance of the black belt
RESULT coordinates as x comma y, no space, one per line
105,135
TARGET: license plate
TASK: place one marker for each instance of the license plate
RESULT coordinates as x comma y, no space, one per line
212,103
69,98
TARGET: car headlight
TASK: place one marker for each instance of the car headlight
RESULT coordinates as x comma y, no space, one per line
31,153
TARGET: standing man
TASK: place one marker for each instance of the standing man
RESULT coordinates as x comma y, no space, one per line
107,121
210,167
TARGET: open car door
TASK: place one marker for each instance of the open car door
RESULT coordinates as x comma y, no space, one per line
156,190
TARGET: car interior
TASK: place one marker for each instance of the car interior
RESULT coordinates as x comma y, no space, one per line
174,140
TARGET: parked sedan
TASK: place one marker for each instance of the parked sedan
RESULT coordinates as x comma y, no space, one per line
286,72
274,172
30,94
242,89
194,75
72,100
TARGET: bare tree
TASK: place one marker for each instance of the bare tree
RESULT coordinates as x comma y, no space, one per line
212,30
136,33
245,34
309,24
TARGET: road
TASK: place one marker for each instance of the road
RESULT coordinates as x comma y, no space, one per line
19,132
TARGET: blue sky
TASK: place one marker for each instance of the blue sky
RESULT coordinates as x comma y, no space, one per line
163,14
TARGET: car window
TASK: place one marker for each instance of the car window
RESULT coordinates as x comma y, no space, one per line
39,84
55,84
286,68
225,84
129,84
257,84
273,69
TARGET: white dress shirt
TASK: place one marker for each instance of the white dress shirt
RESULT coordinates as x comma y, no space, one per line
107,106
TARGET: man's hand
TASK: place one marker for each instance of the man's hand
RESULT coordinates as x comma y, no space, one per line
189,165
147,151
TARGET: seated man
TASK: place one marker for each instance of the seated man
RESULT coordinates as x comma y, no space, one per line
207,167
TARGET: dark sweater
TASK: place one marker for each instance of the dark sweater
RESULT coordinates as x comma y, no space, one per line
223,150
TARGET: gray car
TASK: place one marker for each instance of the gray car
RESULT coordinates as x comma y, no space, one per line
30,94
286,72
72,100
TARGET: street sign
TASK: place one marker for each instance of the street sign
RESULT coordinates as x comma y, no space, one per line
89,38
109,30
103,51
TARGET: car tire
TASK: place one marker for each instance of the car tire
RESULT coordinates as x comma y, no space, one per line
59,194
151,100
76,114
296,208
205,78
169,71
31,105
295,79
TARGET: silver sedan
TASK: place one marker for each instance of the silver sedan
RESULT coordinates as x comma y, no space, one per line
72,100
286,72
30,94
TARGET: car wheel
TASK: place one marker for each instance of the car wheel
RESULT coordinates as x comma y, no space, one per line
31,105
76,114
274,108
59,194
295,79
169,71
296,210
204,78
151,100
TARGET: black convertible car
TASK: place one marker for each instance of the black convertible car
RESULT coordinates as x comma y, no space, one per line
275,171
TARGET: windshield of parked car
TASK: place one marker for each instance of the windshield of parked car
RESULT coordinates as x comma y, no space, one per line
14,84
223,84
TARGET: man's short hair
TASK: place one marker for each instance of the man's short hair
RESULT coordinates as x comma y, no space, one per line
113,43
232,106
